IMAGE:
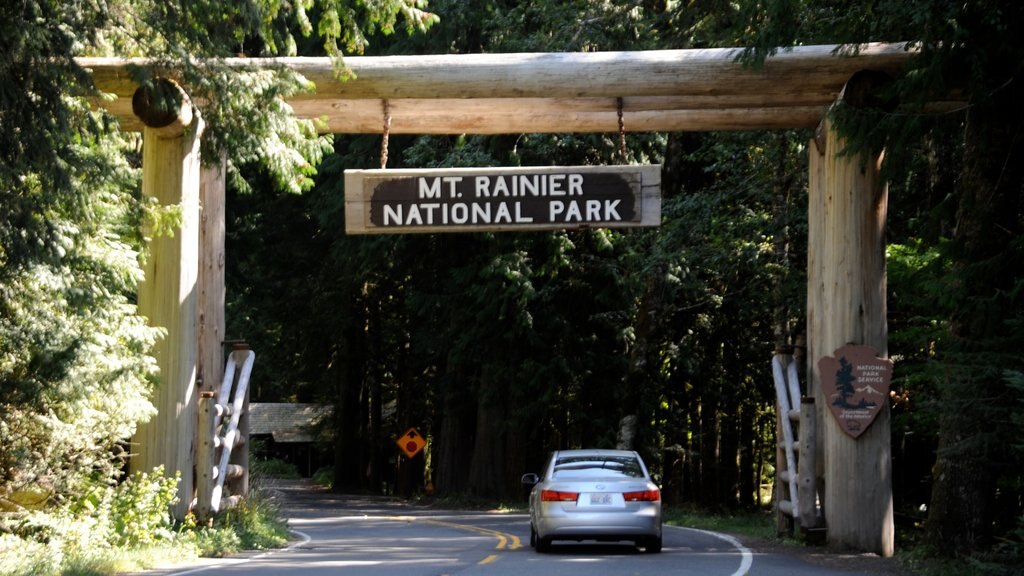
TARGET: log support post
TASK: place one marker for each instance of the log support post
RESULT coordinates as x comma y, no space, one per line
168,294
206,452
846,303
807,484
212,188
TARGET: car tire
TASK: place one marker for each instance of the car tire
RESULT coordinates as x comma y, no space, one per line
652,545
543,545
533,537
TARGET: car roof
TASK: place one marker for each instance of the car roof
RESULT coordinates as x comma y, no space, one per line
600,453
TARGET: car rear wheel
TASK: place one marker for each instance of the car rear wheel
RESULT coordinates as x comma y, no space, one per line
543,544
651,545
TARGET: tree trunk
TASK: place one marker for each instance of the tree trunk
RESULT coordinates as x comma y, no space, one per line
972,443
455,439
748,479
709,453
348,373
487,472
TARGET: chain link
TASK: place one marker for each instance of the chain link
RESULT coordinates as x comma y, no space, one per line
387,134
622,131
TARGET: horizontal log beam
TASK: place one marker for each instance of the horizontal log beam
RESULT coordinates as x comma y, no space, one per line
662,90
528,115
537,115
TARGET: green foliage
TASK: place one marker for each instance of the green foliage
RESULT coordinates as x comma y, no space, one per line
324,477
140,508
956,222
134,513
524,341
256,522
75,365
128,527
88,533
752,524
519,342
272,468
21,557
194,39
73,352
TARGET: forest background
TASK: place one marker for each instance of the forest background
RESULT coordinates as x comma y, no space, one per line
501,347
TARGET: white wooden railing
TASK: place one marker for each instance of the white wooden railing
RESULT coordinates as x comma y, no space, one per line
798,424
223,427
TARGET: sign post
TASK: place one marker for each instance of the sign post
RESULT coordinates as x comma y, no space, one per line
501,199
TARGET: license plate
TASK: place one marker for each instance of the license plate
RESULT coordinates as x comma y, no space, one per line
600,499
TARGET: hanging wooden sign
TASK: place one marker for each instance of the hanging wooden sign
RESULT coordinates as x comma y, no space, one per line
501,199
855,384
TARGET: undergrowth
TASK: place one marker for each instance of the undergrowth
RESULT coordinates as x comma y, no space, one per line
129,528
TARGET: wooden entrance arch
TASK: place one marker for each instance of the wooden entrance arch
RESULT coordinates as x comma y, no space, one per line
675,90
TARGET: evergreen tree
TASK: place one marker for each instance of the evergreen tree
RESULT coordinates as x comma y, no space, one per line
75,364
968,49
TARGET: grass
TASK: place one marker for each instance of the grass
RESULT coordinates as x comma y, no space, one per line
911,554
255,524
752,524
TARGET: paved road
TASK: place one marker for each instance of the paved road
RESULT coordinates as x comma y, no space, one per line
385,537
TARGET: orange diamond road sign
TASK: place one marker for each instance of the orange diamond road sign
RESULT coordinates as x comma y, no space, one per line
411,443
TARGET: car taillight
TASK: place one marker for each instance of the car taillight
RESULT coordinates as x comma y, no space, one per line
644,496
556,496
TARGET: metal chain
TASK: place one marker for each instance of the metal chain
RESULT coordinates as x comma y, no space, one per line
387,134
622,131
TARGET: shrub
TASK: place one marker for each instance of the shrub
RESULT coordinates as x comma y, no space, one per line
256,522
140,509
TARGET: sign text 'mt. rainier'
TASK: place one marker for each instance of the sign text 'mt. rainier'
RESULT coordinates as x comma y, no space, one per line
495,199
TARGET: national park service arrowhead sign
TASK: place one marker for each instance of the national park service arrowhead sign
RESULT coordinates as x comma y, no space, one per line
855,386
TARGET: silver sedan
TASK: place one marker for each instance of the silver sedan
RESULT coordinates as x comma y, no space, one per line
604,495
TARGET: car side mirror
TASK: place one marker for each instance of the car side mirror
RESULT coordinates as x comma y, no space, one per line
530,479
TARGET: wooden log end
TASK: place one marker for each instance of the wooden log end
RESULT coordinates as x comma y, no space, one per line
870,89
163,105
786,507
234,471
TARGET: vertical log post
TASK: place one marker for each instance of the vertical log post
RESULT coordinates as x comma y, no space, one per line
167,295
212,187
210,366
846,303
807,482
206,451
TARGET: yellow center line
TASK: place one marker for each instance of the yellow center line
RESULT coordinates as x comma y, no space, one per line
504,539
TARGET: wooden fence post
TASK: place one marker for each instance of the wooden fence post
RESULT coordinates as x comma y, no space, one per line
846,303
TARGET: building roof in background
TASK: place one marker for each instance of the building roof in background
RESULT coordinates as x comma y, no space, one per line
286,421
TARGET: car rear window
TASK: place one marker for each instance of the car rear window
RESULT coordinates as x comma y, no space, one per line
592,467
